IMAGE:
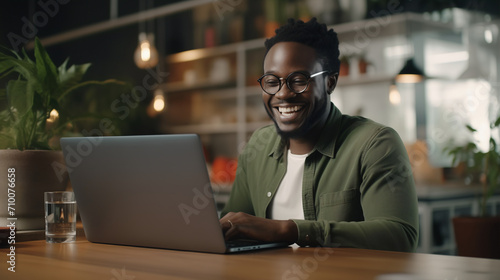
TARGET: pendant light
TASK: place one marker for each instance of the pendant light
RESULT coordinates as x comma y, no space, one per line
158,104
410,73
146,54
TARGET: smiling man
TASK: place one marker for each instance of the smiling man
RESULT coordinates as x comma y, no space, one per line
317,177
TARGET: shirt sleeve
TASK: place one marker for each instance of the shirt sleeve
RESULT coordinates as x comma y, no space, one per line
388,201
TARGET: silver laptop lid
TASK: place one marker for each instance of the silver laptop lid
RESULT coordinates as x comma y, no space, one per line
151,191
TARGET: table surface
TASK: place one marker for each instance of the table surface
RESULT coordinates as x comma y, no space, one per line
86,260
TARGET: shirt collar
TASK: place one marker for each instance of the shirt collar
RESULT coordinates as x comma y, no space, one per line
327,140
279,148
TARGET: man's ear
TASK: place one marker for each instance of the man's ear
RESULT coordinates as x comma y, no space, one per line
332,82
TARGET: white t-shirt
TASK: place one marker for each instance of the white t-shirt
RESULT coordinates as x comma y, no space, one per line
287,202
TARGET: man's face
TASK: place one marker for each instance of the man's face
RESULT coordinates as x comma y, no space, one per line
295,114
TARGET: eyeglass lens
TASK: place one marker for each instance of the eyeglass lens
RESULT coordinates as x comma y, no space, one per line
296,82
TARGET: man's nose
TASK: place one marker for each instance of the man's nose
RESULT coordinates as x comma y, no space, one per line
285,92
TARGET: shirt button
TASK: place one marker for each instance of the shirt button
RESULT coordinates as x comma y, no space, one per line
268,194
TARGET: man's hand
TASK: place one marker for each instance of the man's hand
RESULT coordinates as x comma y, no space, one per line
244,226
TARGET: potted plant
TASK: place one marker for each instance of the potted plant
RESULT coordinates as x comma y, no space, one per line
479,236
32,116
363,64
344,66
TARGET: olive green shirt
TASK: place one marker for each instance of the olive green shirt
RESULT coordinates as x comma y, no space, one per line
357,188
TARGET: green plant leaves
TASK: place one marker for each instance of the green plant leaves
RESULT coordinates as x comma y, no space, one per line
496,123
46,72
485,164
3,95
20,96
70,77
21,129
6,65
36,88
470,128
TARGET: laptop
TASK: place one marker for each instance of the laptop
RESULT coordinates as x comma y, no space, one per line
147,191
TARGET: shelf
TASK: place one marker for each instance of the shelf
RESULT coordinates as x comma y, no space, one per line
448,191
215,51
364,79
390,25
224,90
200,85
221,189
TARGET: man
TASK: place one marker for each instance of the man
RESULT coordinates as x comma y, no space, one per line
317,177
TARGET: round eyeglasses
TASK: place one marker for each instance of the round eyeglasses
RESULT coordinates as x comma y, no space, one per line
297,82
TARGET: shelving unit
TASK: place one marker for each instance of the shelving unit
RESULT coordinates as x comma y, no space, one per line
214,92
232,92
225,99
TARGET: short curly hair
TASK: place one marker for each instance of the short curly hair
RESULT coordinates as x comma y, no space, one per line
312,34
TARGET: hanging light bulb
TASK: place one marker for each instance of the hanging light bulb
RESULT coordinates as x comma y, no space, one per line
145,51
159,103
53,116
146,55
394,95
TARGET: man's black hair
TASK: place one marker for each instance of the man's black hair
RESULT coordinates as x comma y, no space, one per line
314,35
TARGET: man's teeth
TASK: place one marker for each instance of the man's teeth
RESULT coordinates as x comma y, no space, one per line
289,110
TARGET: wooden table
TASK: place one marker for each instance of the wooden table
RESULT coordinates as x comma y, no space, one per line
91,261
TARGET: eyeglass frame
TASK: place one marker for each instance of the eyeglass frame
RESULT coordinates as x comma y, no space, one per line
286,81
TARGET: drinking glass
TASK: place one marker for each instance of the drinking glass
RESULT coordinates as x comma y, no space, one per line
60,217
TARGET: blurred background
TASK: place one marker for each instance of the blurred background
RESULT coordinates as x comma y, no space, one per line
194,65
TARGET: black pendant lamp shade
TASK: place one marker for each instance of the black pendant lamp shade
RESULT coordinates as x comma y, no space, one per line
410,73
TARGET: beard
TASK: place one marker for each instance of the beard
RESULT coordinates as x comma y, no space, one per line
312,123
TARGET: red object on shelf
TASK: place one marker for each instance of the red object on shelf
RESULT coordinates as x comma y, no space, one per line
223,170
363,64
344,68
210,37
